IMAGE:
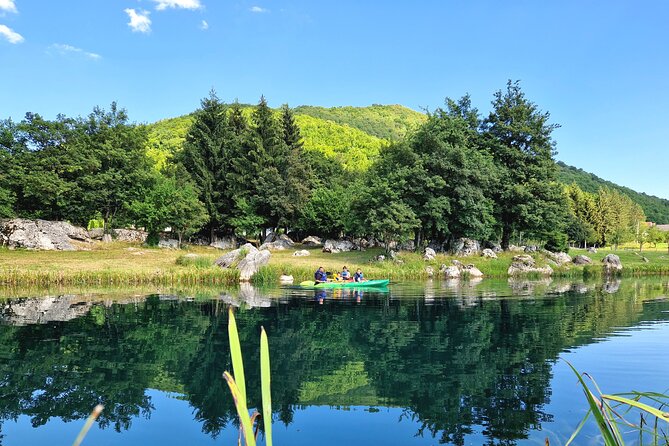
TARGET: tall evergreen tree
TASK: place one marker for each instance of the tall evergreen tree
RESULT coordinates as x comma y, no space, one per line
205,157
519,138
298,174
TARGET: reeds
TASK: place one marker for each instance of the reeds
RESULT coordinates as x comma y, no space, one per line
610,412
237,385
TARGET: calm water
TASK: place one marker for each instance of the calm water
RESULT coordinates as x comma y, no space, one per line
421,364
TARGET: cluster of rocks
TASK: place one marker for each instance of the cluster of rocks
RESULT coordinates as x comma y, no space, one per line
41,234
525,264
274,242
456,270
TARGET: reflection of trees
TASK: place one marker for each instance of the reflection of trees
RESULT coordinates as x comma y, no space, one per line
453,367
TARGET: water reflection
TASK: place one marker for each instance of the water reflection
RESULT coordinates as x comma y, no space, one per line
457,357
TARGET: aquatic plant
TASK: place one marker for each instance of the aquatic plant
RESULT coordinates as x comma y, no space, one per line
609,411
237,385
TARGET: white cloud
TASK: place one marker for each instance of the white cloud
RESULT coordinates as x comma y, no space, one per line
258,9
139,21
8,6
204,25
180,4
69,49
11,35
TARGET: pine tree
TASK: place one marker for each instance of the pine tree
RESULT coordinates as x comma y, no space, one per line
205,157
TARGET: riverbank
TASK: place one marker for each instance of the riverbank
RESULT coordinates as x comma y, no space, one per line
131,264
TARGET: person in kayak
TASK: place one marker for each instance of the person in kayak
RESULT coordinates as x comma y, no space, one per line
358,276
320,275
345,274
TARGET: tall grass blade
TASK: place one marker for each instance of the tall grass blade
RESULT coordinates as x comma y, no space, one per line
578,429
87,426
265,384
236,354
597,411
242,410
639,405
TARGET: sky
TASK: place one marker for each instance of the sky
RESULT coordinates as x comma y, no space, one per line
601,68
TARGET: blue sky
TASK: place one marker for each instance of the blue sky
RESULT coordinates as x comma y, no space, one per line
601,68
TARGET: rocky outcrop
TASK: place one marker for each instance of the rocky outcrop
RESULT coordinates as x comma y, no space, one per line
472,272
458,270
525,264
279,243
301,253
225,243
612,263
488,254
312,242
560,258
450,272
582,260
40,234
130,235
247,259
335,246
169,243
531,248
429,254
465,247
494,246
250,264
233,257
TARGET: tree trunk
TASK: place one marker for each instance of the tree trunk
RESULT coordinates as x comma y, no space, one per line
506,237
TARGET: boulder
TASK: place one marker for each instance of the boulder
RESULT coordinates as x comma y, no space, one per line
169,243
429,271
231,258
560,258
250,264
40,234
450,272
312,241
301,253
335,246
465,247
582,260
514,248
96,233
457,263
380,258
488,253
106,238
525,264
592,250
494,246
429,254
224,243
271,237
472,271
286,279
612,263
130,235
407,246
279,244
531,248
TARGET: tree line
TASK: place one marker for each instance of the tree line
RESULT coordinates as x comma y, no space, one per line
244,171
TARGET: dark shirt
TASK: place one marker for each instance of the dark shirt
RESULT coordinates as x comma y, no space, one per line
358,277
320,276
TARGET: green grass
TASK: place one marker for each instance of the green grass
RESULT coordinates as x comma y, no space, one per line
119,263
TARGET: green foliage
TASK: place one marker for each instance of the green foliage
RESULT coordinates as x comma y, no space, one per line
557,242
656,209
327,211
390,122
518,136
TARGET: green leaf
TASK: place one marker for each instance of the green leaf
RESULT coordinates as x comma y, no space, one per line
265,384
242,410
639,405
236,354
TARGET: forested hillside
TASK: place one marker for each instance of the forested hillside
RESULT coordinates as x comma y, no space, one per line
391,122
655,208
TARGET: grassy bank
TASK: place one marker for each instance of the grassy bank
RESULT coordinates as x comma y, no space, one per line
126,264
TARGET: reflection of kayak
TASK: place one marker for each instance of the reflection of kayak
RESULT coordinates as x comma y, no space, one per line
366,284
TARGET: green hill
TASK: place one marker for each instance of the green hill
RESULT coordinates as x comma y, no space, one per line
390,122
354,136
655,208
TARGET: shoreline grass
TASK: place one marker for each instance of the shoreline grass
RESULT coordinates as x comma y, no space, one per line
131,264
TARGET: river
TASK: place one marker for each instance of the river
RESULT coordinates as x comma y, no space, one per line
419,364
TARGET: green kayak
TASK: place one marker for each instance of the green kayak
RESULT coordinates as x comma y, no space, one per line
366,284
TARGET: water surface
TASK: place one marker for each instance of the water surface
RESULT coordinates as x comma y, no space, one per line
420,364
